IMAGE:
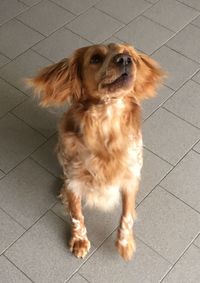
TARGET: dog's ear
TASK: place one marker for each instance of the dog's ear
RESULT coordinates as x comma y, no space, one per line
148,77
60,82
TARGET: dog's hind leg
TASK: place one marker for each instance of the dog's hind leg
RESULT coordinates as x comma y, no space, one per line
79,243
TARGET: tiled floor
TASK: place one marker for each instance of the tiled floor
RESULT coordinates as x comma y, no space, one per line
34,228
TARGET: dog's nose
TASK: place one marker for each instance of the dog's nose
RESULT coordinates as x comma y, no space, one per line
122,59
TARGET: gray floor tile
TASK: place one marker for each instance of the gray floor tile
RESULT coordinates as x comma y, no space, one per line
9,231
24,66
181,42
9,273
46,156
3,60
178,67
35,190
13,32
77,279
96,233
154,169
17,142
30,2
1,174
197,241
60,45
113,39
168,136
42,252
124,11
10,9
192,3
115,269
196,78
144,34
102,27
197,147
37,117
185,103
9,97
184,180
186,269
196,22
45,17
166,224
171,14
76,6
150,105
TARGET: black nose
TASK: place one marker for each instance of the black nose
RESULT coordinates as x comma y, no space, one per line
122,59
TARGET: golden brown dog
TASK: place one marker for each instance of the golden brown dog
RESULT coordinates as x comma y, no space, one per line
100,142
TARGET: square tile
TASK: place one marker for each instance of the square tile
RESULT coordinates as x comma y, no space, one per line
168,136
37,117
196,22
46,156
42,251
102,27
192,3
184,180
96,233
115,269
113,39
185,103
34,192
9,9
59,45
178,67
9,98
196,78
76,6
24,66
171,14
154,169
30,2
10,231
124,11
187,42
174,224
77,278
197,147
9,273
144,34
45,17
197,241
3,60
17,142
150,105
13,32
186,269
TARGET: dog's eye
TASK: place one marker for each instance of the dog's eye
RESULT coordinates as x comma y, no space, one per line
96,59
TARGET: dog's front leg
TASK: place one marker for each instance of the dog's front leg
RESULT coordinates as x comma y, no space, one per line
125,241
79,243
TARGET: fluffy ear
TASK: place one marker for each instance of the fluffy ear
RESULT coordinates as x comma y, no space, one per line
148,77
59,82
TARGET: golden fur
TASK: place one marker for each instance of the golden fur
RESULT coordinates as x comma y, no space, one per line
99,138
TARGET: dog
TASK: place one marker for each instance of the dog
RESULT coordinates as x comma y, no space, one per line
99,137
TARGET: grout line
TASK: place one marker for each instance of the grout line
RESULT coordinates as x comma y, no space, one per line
83,277
8,214
195,151
146,148
179,117
181,200
188,5
183,253
27,25
155,22
37,162
62,7
18,268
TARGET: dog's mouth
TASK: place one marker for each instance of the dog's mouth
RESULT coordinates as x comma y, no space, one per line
120,81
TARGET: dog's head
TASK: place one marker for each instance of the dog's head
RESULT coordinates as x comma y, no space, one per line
97,73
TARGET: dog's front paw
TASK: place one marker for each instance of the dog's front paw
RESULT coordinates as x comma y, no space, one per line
79,247
126,247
